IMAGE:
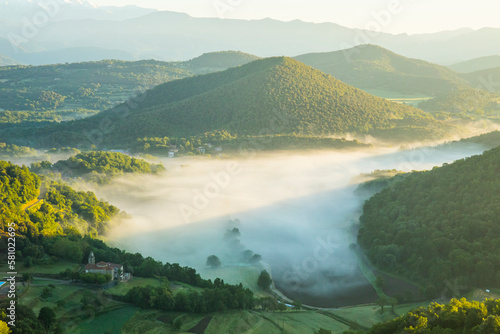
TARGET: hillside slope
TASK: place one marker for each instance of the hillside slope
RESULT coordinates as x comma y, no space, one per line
439,225
219,61
476,64
269,96
373,67
488,79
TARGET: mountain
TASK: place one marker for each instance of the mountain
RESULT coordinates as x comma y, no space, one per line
149,34
488,79
59,10
437,226
74,55
477,64
269,96
95,85
223,60
6,61
373,67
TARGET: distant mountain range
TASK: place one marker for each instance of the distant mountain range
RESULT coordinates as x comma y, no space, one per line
6,61
268,96
57,10
477,64
373,67
149,34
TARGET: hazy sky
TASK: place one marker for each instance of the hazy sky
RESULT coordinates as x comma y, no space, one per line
410,16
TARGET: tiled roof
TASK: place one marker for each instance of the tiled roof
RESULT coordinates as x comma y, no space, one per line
103,266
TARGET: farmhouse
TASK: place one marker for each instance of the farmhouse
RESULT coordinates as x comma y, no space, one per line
106,268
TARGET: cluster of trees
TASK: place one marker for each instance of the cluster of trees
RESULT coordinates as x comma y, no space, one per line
459,316
13,151
465,101
30,99
439,225
216,297
61,211
36,116
97,166
27,322
234,143
95,278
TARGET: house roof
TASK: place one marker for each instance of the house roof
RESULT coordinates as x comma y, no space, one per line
103,266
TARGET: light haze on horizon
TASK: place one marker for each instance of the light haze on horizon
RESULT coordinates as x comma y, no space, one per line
413,17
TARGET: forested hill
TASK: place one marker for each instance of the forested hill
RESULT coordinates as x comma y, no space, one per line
476,64
59,210
269,96
456,317
439,225
373,67
488,79
99,167
219,60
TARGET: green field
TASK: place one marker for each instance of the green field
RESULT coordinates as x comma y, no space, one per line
235,275
107,323
46,269
410,99
113,317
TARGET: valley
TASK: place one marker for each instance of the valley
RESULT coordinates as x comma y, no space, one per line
234,167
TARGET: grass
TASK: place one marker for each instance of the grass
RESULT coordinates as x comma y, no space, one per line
146,321
247,276
306,322
55,268
71,295
411,99
369,315
108,323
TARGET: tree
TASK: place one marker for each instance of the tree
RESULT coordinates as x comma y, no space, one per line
213,261
323,331
264,280
27,278
4,328
393,302
297,304
47,317
380,282
46,293
381,302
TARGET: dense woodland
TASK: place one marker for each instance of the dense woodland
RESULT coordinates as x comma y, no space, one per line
466,102
212,143
13,151
457,317
99,167
439,225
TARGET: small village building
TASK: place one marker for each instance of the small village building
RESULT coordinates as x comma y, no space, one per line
116,271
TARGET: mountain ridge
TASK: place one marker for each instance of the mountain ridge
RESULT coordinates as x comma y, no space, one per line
374,67
276,96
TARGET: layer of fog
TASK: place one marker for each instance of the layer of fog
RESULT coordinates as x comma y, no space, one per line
295,209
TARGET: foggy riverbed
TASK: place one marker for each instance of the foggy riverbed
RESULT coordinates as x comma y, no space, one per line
297,210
